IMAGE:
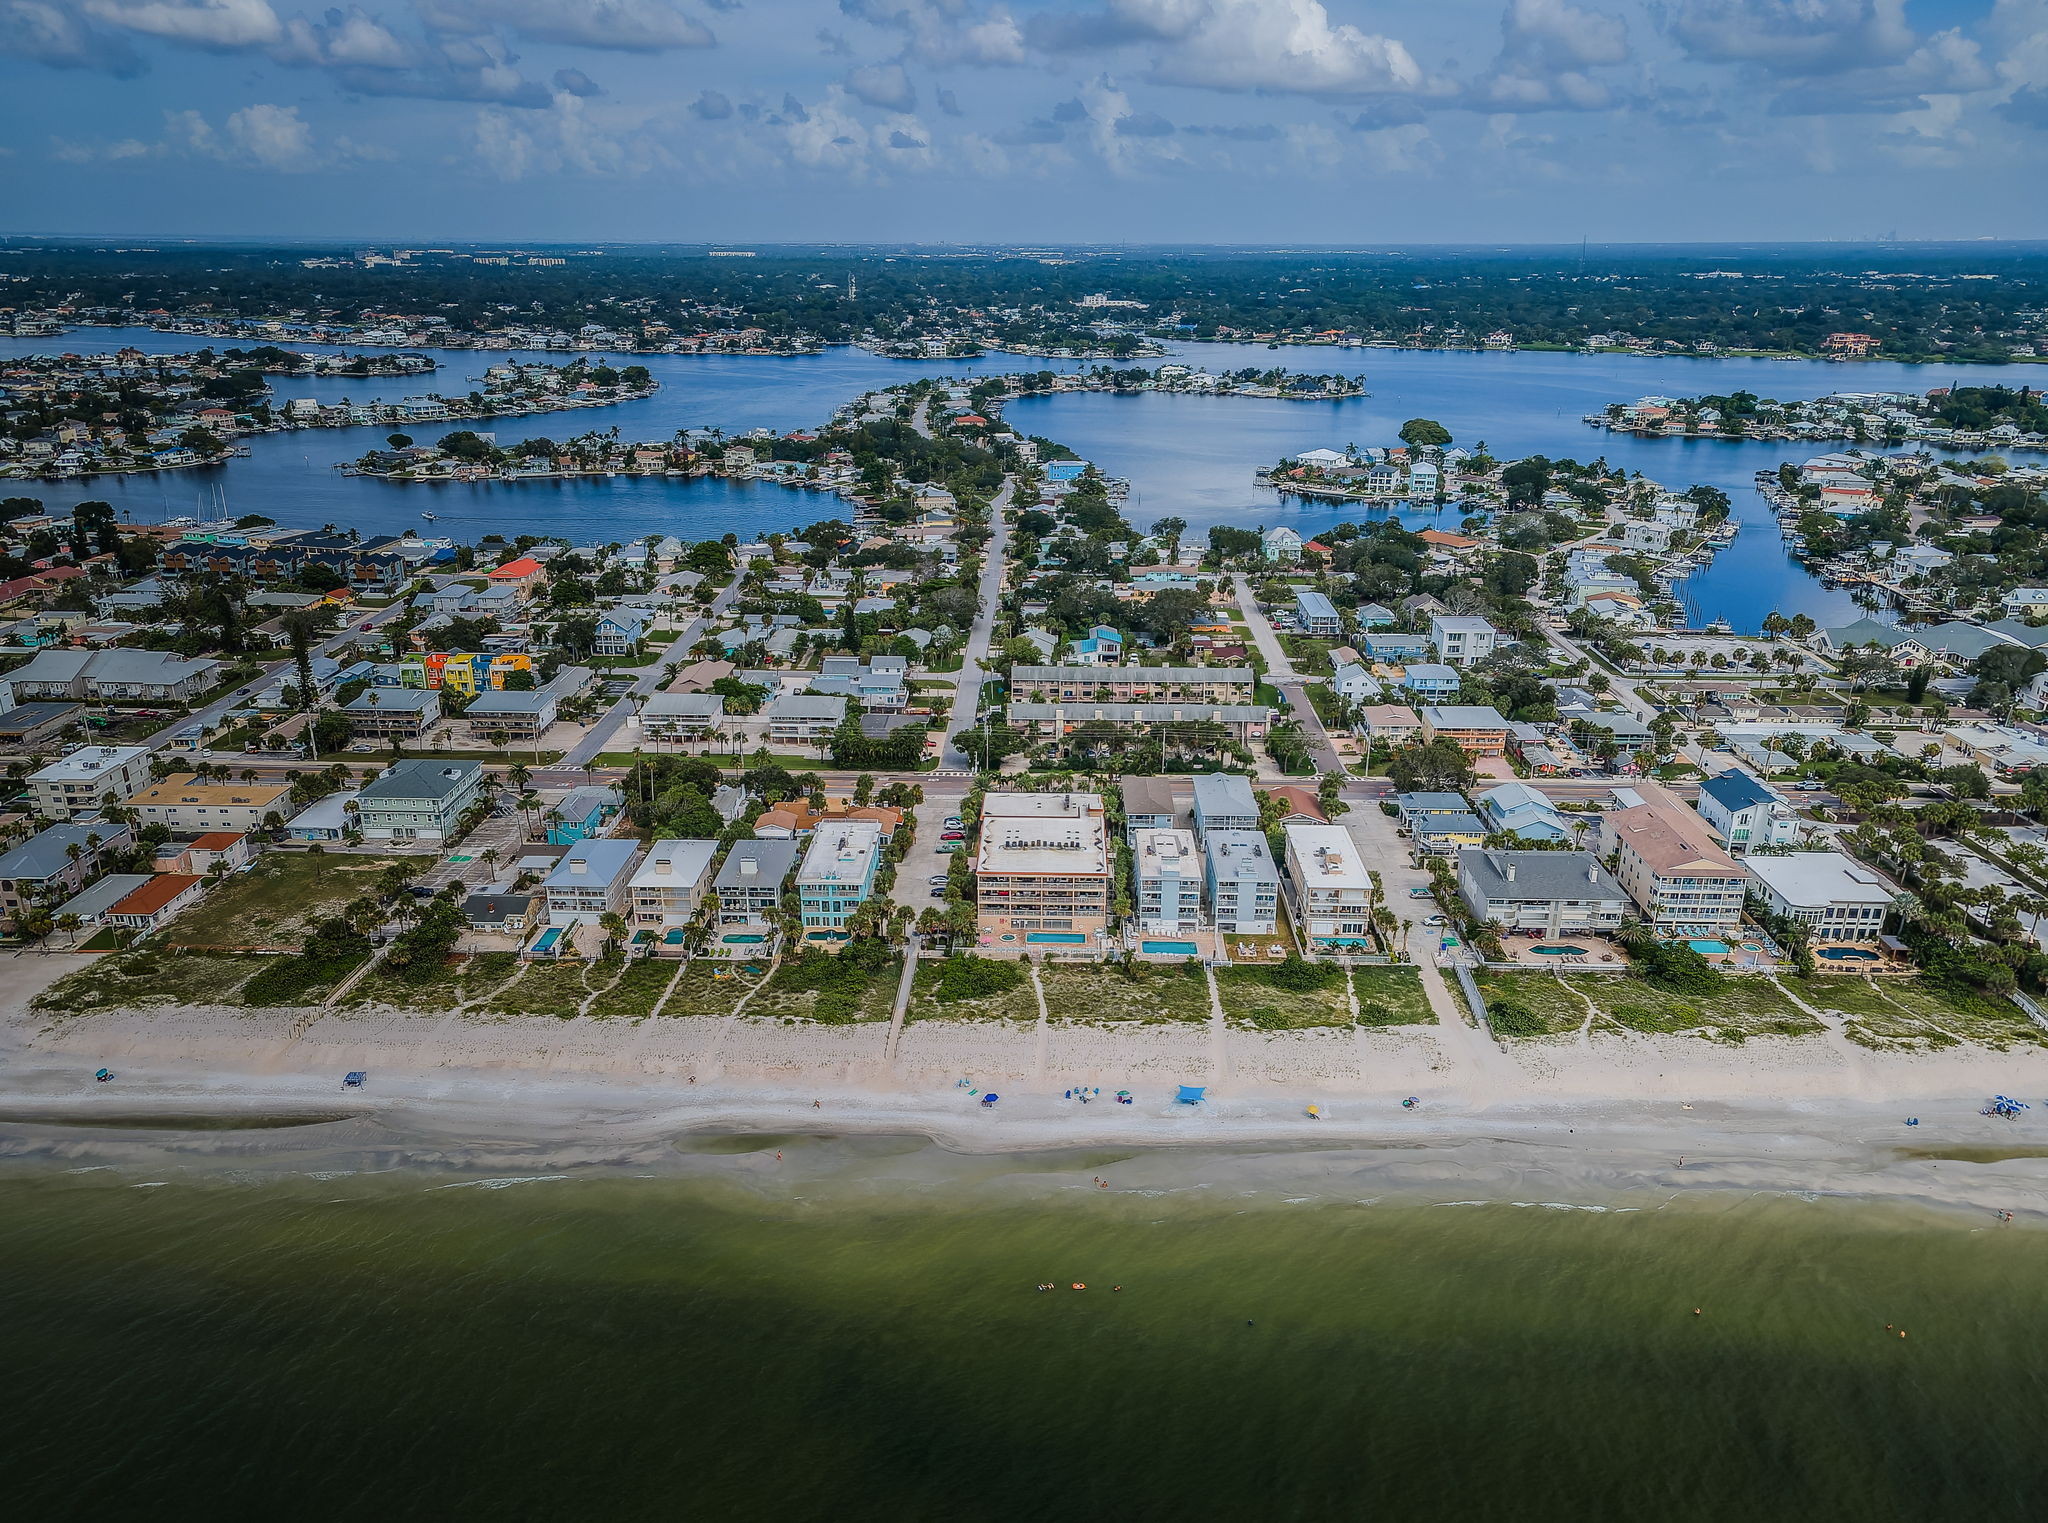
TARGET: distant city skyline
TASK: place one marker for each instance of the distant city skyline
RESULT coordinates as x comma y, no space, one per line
1245,122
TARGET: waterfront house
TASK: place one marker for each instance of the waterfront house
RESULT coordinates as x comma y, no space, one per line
1042,870
505,914
1835,897
837,875
1281,544
669,888
46,865
750,882
591,880
153,904
1549,893
1745,813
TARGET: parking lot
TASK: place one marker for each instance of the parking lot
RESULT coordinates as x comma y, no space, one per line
925,861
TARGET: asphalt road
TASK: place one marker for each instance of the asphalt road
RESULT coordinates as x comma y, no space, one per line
967,695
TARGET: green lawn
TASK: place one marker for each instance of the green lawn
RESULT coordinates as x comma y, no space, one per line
277,902
1250,997
155,975
1155,993
1391,997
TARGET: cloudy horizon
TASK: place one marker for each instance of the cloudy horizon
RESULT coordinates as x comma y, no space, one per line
1127,121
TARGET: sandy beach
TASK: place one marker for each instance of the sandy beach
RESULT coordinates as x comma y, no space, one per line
1566,1120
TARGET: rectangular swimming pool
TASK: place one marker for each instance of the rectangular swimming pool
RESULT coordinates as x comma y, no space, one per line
1170,948
1060,938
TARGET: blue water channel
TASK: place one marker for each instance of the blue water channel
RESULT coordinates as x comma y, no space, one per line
1190,457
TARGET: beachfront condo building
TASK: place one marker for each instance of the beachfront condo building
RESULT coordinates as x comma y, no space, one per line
1329,892
1681,881
837,874
1167,872
1041,870
1243,882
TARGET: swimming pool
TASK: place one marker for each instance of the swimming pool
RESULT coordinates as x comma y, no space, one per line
1557,951
1709,948
1170,948
1059,938
1847,954
545,947
742,938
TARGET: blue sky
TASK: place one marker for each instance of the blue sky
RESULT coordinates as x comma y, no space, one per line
1238,121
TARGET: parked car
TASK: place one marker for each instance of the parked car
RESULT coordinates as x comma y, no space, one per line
947,848
953,835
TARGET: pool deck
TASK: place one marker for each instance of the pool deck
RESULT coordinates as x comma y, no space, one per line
1600,953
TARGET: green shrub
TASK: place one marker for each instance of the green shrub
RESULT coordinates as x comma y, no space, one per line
1298,975
334,950
1510,1017
971,977
1677,968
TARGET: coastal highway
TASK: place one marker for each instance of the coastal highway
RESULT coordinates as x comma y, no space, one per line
967,692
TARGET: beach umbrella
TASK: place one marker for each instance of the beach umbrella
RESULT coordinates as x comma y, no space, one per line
1191,1094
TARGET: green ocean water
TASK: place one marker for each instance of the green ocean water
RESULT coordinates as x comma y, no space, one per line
854,1332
